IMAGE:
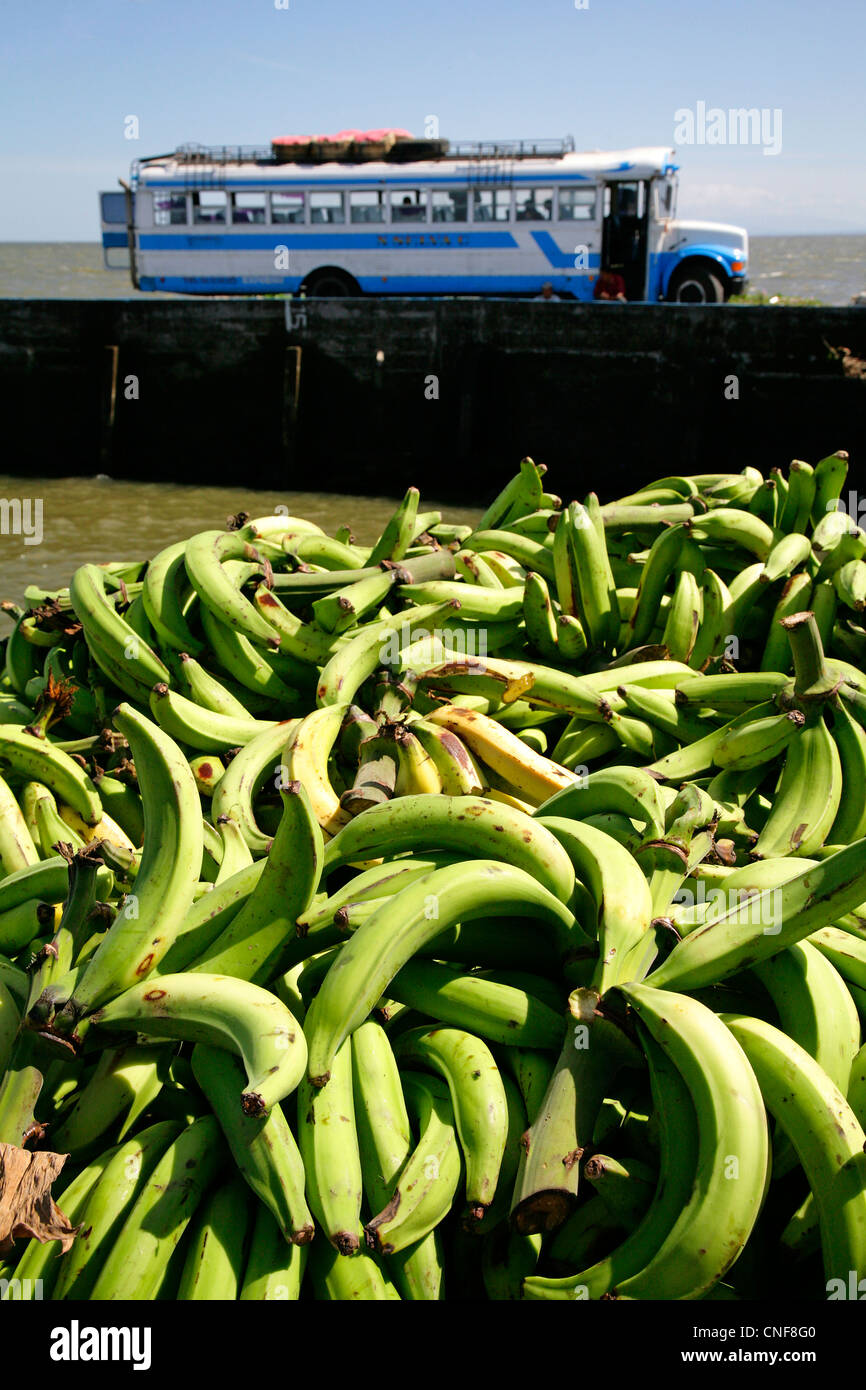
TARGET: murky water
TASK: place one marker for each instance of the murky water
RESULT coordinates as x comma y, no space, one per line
98,519
829,268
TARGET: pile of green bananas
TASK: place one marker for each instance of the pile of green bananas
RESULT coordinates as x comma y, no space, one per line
480,914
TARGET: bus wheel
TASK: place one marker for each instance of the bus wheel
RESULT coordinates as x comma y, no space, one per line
696,286
330,284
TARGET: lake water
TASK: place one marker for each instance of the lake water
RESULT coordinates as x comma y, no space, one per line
97,519
829,268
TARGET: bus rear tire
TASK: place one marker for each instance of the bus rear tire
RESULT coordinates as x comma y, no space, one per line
696,285
330,284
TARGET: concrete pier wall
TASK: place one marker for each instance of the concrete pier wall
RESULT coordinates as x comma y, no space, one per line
368,396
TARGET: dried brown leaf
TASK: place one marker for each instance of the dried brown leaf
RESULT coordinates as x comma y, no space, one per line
27,1208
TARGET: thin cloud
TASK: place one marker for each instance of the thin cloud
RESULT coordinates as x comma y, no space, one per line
268,63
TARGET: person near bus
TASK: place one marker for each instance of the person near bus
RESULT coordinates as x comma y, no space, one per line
547,292
610,286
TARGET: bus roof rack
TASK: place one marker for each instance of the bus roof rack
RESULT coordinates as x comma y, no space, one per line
223,154
402,149
511,149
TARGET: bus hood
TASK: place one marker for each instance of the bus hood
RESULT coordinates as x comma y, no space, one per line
721,234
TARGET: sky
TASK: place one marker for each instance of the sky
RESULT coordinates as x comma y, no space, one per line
612,73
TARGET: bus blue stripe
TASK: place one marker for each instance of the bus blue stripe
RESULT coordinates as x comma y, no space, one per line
561,260
392,284
327,241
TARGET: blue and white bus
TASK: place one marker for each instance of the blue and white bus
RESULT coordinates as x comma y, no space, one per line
484,219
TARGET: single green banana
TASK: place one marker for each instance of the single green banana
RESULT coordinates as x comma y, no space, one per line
190,724
630,791
377,951
620,892
244,778
429,1178
39,760
285,889
539,617
814,1007
17,847
497,1011
173,1191
454,822
328,1139
826,1134
225,1012
478,1097
766,922
165,599
399,532
216,1249
204,559
112,632
274,1271
808,795
108,1204
263,1147
733,1148
148,920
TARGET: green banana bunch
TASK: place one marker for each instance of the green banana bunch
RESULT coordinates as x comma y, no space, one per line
366,817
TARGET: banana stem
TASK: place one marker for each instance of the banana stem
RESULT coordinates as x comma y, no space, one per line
70,934
812,680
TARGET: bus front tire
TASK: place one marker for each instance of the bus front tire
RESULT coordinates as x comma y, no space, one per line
696,285
330,284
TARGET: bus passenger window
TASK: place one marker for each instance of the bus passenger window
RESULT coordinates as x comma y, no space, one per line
451,205
367,205
408,205
208,206
534,204
577,204
170,210
248,207
492,205
287,207
327,207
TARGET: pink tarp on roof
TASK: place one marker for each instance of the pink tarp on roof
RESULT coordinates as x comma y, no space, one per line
358,136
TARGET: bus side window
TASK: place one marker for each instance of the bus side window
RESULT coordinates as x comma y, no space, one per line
327,207
408,205
367,205
533,204
169,210
577,204
249,207
450,205
492,205
208,206
287,207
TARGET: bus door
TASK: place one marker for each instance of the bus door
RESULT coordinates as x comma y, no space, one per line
624,235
